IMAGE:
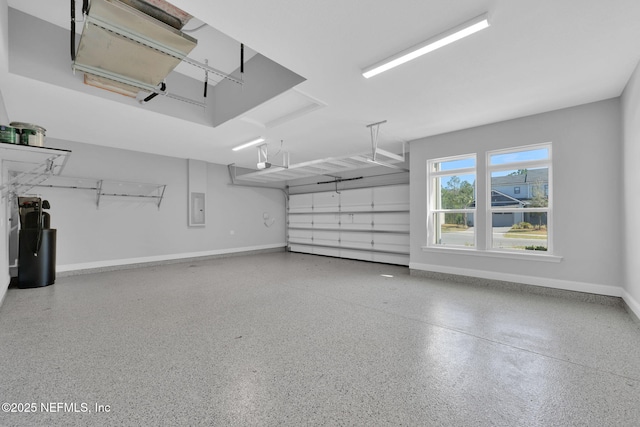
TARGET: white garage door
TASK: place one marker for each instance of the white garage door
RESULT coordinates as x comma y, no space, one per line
370,224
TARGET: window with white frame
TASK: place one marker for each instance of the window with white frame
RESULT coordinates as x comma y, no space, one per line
451,194
515,203
520,221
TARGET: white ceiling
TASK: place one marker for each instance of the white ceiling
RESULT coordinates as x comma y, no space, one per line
536,56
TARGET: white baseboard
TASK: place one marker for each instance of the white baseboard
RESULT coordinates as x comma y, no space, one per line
160,258
631,302
568,285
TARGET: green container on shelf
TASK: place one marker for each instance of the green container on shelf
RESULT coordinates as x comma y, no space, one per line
29,134
25,134
8,135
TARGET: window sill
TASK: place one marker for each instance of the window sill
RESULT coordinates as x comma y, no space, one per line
494,254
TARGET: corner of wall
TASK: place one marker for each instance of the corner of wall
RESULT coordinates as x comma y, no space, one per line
630,123
632,305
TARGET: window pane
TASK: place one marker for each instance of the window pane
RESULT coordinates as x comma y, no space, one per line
525,231
454,229
469,162
456,192
519,156
453,189
521,188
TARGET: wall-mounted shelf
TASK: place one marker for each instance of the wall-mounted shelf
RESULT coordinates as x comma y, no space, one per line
28,166
108,188
139,190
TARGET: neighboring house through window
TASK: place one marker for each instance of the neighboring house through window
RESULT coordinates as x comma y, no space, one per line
523,221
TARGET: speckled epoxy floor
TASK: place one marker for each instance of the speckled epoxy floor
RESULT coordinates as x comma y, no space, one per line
291,339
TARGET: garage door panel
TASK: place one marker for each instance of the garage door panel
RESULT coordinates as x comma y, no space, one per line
319,250
356,200
391,198
399,244
328,220
345,225
392,221
300,203
361,255
293,247
391,239
357,221
326,202
356,240
326,238
391,258
301,220
301,236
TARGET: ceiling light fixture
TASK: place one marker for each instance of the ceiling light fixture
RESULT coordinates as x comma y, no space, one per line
249,144
454,34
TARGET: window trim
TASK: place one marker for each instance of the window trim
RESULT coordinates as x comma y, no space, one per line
433,194
523,164
494,253
483,209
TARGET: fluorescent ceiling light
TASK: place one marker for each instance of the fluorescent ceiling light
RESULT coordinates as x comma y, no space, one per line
461,31
249,144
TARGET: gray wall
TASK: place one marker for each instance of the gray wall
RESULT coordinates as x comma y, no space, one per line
587,198
631,156
125,230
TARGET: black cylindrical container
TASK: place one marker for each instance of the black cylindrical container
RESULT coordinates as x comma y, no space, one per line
37,258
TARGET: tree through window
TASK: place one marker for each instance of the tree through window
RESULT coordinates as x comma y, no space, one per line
452,195
515,202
